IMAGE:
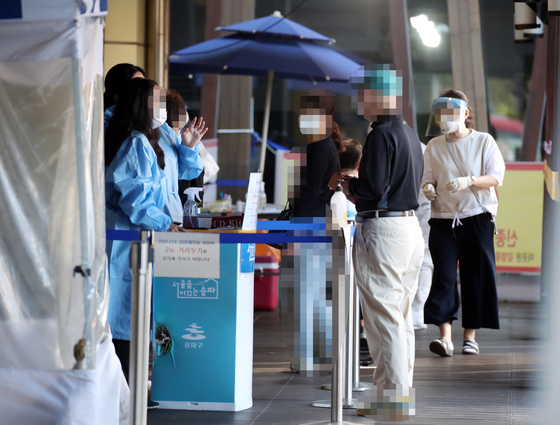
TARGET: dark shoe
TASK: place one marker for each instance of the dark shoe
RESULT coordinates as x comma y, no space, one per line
470,347
152,404
366,362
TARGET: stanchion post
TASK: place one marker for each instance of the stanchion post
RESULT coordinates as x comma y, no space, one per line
349,340
340,319
139,332
356,335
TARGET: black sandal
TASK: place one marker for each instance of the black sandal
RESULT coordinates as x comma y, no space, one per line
470,347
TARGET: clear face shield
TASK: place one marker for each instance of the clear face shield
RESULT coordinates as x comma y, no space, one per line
447,116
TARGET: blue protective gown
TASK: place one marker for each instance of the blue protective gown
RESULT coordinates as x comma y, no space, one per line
136,191
139,194
181,163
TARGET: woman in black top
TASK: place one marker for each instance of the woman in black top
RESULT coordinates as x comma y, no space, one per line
322,160
306,274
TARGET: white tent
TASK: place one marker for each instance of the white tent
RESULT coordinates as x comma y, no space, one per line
57,364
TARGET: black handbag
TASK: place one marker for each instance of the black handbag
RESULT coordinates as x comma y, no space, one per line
285,215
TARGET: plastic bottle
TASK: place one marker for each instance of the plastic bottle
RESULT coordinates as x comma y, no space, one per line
190,209
339,205
262,198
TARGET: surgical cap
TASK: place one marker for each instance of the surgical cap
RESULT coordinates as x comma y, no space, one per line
381,77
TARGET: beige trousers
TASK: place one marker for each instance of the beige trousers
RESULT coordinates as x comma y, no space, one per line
388,254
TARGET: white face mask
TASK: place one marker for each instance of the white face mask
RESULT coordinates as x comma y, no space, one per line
160,116
311,124
450,126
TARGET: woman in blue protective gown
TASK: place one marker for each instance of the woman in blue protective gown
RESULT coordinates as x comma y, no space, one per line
137,186
183,160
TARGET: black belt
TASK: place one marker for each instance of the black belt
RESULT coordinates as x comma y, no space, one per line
361,217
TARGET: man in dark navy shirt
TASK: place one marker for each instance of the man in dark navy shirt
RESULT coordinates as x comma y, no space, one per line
391,168
388,244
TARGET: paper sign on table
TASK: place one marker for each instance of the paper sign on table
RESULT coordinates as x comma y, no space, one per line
250,222
196,255
252,204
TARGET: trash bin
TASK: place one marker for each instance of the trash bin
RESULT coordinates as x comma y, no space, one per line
266,282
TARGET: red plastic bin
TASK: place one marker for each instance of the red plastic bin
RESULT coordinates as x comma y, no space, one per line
267,271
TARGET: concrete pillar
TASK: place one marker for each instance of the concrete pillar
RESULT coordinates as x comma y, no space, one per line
137,32
125,33
551,237
466,56
235,92
158,41
400,39
536,102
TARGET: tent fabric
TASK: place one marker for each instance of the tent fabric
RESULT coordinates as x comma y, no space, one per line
97,396
51,10
52,204
43,304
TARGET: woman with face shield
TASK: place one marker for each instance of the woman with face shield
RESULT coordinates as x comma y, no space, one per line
136,190
306,294
461,169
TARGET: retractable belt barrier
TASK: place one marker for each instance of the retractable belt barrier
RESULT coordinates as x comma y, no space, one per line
278,238
141,267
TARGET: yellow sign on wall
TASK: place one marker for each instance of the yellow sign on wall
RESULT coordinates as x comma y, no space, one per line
518,244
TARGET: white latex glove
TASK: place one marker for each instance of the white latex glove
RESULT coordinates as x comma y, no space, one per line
429,192
460,183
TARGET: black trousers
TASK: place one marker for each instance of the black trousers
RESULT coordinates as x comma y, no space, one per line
122,349
472,245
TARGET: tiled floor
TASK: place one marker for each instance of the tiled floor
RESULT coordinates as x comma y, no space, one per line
497,387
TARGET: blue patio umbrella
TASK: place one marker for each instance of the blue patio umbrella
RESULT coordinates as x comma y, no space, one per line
264,54
247,54
278,25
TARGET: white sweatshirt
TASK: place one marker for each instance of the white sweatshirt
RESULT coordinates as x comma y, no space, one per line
477,155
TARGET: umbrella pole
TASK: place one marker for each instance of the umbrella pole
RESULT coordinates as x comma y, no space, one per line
265,121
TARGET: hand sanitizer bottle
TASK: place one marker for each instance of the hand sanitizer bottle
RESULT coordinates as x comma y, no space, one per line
190,209
339,205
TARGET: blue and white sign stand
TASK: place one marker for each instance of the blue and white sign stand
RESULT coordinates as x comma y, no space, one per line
205,300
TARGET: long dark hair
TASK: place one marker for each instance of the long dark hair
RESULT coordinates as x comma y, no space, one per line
456,94
133,112
116,79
